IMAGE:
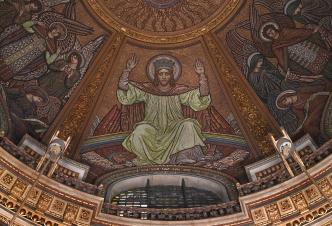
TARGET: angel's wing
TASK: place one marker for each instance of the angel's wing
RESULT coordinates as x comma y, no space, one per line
257,21
73,27
273,6
89,50
241,48
48,4
286,118
243,25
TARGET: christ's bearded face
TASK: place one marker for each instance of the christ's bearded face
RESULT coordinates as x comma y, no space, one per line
164,77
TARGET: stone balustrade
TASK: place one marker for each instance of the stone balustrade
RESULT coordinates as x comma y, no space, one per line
282,175
173,214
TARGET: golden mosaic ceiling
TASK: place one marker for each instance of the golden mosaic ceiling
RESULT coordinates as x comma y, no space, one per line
163,15
164,21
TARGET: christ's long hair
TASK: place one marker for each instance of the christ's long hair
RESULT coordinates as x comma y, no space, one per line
171,81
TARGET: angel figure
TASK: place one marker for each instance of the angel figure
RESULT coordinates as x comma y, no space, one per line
300,54
263,76
63,74
313,13
308,107
303,12
31,110
164,135
17,11
310,11
25,53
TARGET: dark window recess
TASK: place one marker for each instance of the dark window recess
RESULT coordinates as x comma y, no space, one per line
166,197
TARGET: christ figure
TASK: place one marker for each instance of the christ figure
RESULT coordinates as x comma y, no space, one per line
165,135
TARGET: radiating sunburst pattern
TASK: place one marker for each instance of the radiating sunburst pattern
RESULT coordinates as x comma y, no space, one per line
163,15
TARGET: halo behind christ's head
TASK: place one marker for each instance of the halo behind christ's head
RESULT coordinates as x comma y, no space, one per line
151,70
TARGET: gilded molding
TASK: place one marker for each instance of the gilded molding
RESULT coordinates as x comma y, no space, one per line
289,206
258,125
186,35
72,124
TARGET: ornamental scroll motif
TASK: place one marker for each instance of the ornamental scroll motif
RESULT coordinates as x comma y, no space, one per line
154,37
72,125
256,122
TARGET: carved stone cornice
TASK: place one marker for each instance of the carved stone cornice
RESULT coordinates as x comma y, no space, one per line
173,37
296,200
250,114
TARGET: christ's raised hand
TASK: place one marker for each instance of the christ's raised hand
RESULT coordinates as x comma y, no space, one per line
203,83
124,79
199,67
132,62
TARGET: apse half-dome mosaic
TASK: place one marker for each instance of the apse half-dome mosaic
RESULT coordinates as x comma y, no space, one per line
138,111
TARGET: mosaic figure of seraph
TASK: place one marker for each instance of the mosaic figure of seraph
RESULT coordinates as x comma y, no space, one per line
165,135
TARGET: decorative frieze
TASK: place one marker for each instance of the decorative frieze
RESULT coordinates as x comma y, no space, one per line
49,204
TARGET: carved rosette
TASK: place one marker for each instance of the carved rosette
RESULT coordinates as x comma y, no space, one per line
84,216
7,180
57,207
286,206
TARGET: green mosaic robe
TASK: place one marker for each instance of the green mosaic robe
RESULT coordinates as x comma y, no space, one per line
164,130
